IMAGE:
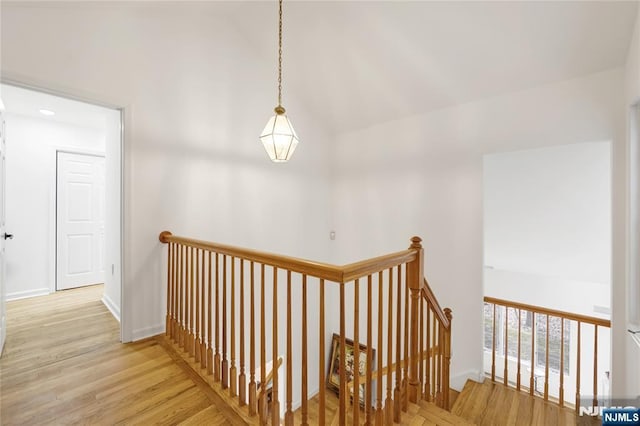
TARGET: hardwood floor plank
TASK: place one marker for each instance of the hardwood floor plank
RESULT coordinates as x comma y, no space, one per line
63,364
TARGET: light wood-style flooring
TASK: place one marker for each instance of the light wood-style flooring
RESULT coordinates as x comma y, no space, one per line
63,364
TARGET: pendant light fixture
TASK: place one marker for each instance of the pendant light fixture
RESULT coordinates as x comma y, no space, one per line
278,137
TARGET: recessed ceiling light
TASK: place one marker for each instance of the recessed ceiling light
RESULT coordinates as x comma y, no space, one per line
47,112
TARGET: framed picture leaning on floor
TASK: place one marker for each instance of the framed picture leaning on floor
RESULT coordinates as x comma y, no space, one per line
333,378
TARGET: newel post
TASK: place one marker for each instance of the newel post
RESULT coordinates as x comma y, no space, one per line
415,274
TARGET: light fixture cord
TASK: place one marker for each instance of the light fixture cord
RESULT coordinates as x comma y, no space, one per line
280,58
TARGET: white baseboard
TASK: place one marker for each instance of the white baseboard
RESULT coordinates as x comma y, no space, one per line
112,307
28,293
143,333
457,381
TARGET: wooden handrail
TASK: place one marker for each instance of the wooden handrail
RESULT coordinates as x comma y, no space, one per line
193,305
552,312
326,271
262,386
431,298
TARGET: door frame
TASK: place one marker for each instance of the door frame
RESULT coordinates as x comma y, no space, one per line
53,203
124,110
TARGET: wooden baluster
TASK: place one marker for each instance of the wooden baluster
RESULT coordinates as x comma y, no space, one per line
217,376
356,352
368,400
447,359
242,379
414,358
203,315
209,320
519,335
321,370
275,407
427,372
546,363
379,413
288,415
595,365
533,353
343,361
398,391
434,358
176,296
391,404
493,345
439,390
253,403
421,345
578,353
233,372
167,327
190,310
561,390
506,346
181,306
197,314
305,388
225,363
262,403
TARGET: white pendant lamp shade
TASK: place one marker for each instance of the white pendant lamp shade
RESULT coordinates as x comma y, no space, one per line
279,138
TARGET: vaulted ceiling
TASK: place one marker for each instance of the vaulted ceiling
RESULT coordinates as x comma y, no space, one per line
357,63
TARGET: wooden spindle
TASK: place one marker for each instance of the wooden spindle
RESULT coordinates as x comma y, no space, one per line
197,343
595,365
561,390
209,315
321,369
167,327
175,326
253,403
203,314
342,409
233,371
407,342
262,403
288,415
546,363
190,310
434,358
533,353
305,385
356,352
181,305
398,390
242,379
225,362
379,413
519,336
391,407
494,342
217,376
506,346
578,353
421,345
368,400
275,403
427,366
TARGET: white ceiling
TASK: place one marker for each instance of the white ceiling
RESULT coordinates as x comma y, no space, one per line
355,63
28,102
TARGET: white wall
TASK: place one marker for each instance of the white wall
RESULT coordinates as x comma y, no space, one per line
423,176
630,382
30,183
196,97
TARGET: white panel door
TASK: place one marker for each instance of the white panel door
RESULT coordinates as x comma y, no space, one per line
80,220
3,235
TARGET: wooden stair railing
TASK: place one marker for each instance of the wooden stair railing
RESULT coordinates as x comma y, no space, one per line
536,313
385,304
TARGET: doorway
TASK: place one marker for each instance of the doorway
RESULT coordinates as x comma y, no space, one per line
64,179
